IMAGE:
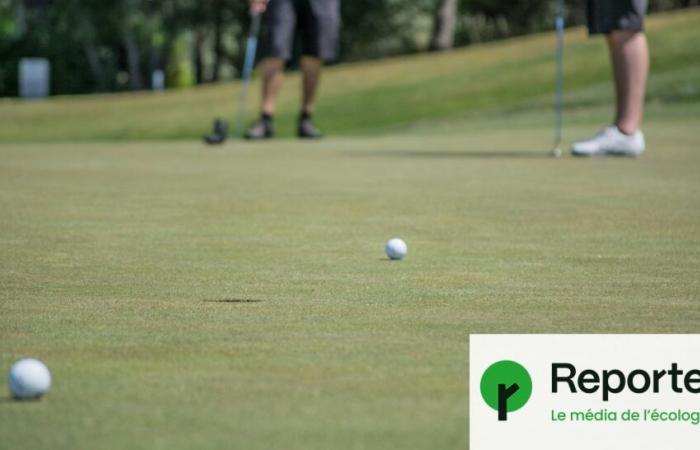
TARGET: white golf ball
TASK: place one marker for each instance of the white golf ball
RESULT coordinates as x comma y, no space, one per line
396,249
29,378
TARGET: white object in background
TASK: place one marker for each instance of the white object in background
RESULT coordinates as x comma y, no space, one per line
34,77
158,80
396,249
28,379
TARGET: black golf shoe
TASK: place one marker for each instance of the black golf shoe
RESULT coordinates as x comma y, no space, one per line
307,130
218,134
262,129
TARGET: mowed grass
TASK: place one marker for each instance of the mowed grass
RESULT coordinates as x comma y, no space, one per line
238,297
384,95
185,297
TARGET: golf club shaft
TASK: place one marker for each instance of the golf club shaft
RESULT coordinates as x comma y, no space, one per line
559,97
248,66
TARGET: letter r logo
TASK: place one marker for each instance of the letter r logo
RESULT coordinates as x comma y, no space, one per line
503,396
506,386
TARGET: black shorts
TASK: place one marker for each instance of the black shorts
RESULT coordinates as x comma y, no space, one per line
606,16
318,24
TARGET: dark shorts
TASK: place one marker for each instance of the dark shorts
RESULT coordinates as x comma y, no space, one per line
606,16
316,21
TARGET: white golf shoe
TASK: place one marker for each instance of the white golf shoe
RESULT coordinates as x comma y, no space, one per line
611,141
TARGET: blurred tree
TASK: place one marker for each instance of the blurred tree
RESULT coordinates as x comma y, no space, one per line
98,46
445,25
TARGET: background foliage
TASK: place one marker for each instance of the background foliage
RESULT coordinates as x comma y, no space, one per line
97,46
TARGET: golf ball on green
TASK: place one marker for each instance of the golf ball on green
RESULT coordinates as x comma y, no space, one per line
29,379
396,249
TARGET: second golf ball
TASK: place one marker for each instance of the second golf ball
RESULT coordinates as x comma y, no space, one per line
28,379
396,249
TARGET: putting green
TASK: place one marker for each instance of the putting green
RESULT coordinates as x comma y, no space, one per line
186,297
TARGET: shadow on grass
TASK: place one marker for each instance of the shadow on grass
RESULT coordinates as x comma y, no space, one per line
427,154
10,399
232,300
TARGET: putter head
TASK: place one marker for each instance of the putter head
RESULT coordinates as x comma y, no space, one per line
219,133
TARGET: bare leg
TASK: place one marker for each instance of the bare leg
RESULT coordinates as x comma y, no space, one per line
311,70
273,77
630,58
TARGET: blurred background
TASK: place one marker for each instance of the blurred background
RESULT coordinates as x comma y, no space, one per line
129,45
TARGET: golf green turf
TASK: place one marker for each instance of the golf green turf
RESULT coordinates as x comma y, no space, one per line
238,297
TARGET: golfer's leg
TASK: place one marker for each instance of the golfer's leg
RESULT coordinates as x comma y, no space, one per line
272,69
630,58
278,38
319,25
311,70
277,41
622,21
273,77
